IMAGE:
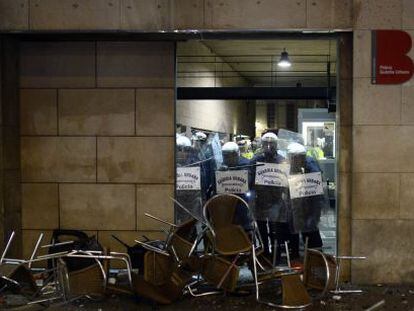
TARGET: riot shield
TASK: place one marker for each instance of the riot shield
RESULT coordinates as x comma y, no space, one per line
188,183
307,200
271,190
307,189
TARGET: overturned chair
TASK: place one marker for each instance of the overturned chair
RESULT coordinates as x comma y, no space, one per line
322,272
233,240
15,275
82,264
169,269
60,283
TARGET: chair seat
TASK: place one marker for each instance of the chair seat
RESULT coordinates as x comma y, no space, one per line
319,271
294,292
214,272
87,281
232,240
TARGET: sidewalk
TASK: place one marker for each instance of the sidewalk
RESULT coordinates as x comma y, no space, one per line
395,297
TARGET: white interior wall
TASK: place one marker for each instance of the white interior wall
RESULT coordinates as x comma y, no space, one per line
229,116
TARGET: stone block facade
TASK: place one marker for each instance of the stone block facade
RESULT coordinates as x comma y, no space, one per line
97,137
382,222
154,15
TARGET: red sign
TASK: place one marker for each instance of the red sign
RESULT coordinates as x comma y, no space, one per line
390,63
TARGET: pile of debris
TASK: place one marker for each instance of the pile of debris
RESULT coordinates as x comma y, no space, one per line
201,256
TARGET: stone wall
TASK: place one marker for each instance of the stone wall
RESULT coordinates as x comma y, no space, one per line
10,204
136,15
97,138
383,165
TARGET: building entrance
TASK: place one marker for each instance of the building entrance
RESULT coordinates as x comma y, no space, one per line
232,92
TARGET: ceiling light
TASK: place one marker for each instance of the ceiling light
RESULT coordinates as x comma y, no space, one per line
284,61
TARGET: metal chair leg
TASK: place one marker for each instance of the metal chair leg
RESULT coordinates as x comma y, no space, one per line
338,290
287,254
7,247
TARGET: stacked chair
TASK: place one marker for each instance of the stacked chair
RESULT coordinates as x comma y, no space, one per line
235,246
15,276
228,244
168,269
322,272
60,281
201,256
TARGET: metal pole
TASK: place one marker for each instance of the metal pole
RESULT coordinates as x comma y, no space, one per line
57,244
287,254
160,220
188,212
7,247
39,240
198,162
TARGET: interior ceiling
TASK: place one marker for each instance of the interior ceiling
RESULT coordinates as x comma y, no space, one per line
256,60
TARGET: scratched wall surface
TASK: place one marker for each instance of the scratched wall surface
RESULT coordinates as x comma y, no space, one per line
97,138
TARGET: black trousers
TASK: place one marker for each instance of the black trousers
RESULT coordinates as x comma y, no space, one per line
271,232
280,231
314,241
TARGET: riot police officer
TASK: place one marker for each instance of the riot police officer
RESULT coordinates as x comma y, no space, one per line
271,209
305,211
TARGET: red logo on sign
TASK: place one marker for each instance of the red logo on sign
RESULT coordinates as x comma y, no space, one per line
390,63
